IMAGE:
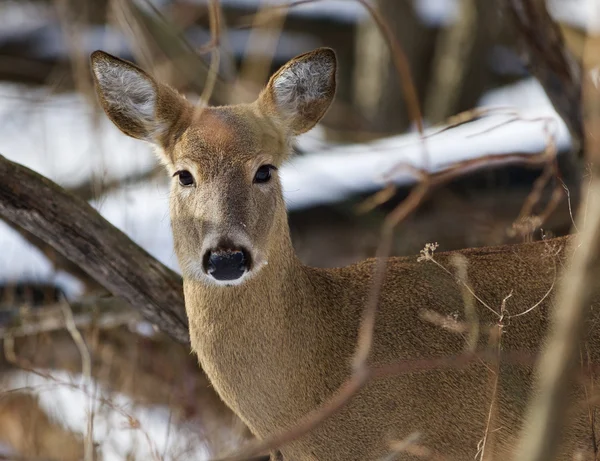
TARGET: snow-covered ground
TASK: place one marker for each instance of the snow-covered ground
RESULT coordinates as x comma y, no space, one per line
120,428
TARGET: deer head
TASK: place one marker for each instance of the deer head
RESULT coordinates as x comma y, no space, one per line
227,209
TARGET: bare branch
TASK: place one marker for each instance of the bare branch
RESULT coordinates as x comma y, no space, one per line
78,231
103,313
93,189
159,47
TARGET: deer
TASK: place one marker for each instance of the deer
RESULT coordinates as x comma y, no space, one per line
276,337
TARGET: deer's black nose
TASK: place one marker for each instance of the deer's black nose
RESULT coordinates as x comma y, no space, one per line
226,264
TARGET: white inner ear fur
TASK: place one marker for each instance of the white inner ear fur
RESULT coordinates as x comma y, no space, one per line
302,83
131,94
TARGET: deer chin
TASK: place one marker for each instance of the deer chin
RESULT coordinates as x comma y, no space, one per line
229,283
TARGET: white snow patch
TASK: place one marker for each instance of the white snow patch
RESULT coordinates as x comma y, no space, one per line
524,94
64,138
142,212
339,10
22,261
583,14
68,400
437,13
328,175
19,17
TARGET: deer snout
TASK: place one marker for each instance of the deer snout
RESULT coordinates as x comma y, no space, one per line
226,264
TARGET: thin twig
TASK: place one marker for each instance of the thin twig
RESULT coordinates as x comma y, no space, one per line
215,54
401,446
460,262
214,18
86,362
496,340
102,313
260,50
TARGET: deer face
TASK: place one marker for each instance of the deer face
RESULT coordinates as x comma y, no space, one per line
227,207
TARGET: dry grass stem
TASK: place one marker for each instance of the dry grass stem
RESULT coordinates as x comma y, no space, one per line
214,11
427,255
103,313
264,36
489,437
568,192
454,46
86,362
215,54
445,322
401,446
472,319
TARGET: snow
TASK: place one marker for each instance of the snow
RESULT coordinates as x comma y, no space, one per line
19,17
325,176
67,399
524,94
583,14
142,212
59,137
23,262
338,10
437,13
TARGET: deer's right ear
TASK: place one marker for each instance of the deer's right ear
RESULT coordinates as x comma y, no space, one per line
300,93
138,105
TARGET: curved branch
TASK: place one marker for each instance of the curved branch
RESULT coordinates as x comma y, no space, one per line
83,236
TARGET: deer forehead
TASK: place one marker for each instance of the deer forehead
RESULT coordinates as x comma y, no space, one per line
224,138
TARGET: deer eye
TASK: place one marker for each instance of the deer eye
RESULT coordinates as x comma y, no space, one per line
263,174
185,178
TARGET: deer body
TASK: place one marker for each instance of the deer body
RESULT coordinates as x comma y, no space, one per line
273,362
276,338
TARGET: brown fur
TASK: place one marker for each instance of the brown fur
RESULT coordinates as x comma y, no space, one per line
279,344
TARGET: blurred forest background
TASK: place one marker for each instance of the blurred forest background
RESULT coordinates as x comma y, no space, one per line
82,374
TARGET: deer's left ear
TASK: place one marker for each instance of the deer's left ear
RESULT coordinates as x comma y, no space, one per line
300,93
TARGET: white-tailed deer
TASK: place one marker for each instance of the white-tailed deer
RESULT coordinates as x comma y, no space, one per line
276,337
